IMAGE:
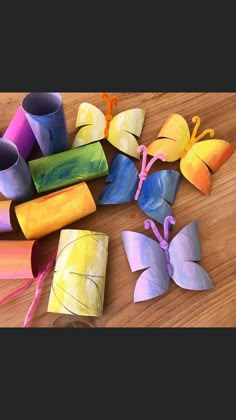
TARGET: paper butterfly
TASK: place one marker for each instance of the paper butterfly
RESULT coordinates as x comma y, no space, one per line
153,193
163,261
120,131
175,141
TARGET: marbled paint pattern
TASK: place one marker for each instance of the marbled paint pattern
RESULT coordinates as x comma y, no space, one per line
69,167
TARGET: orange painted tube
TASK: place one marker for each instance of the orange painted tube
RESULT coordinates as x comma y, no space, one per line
44,215
19,259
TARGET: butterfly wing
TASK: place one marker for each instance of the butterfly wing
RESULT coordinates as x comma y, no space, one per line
122,181
145,253
123,129
213,153
207,153
172,138
184,249
91,123
157,192
196,172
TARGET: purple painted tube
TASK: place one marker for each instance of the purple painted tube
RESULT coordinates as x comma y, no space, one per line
20,133
15,178
45,114
8,220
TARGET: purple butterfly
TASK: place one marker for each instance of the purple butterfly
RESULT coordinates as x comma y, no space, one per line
164,260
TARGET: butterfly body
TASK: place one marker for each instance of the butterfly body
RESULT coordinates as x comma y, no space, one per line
121,130
196,158
143,253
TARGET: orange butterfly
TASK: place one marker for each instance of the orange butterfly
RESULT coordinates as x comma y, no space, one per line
175,141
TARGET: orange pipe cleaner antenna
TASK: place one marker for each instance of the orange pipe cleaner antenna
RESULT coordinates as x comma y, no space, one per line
110,102
197,121
194,138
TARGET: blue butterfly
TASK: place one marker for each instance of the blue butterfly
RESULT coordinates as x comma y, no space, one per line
153,193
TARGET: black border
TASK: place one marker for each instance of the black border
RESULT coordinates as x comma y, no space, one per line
160,50
148,76
154,346
118,371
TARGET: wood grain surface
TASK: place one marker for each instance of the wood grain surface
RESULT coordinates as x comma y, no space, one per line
215,215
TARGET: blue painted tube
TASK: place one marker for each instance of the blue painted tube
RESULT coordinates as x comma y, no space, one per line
45,114
15,177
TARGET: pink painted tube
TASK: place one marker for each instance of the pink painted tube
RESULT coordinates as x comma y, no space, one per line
19,259
20,133
8,220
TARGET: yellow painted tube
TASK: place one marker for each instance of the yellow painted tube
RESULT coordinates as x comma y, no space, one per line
79,279
44,215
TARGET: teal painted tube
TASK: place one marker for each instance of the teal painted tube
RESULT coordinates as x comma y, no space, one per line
70,167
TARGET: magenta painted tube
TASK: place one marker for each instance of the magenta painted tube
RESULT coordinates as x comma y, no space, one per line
21,134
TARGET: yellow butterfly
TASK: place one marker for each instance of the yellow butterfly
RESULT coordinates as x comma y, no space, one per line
175,141
120,130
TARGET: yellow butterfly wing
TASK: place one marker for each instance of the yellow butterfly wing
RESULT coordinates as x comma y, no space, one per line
123,129
91,122
172,139
203,155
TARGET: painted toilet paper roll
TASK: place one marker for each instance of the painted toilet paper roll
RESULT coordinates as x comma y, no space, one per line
44,215
45,114
15,177
79,279
20,133
69,167
19,259
8,221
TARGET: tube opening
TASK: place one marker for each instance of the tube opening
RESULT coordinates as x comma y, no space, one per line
8,154
35,258
41,103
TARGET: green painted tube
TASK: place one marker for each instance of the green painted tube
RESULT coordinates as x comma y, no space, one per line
70,167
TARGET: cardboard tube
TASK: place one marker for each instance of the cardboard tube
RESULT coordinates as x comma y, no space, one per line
45,115
19,259
79,279
15,177
8,221
69,167
44,215
20,133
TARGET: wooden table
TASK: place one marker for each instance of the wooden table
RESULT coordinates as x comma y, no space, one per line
216,216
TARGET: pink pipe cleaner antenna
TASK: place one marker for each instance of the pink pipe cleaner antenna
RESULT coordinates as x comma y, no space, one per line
17,291
145,169
41,277
163,242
